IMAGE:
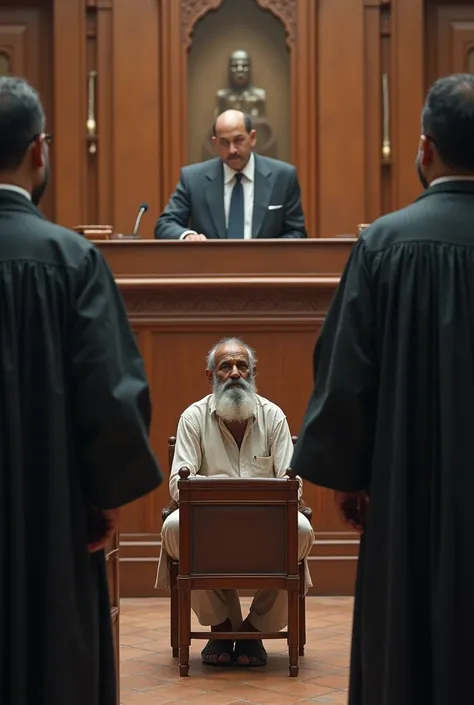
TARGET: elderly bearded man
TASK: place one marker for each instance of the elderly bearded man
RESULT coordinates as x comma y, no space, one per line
233,432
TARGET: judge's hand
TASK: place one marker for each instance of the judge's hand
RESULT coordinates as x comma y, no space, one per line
195,236
109,519
352,508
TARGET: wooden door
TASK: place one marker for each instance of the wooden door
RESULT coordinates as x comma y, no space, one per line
25,52
449,39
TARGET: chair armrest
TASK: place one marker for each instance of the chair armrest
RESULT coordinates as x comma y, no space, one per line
172,507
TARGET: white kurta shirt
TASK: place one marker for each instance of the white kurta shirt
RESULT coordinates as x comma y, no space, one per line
205,445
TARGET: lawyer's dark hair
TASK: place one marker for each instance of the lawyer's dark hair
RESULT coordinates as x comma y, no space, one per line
448,120
21,120
247,123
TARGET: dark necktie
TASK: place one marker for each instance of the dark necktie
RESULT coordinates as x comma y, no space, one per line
236,210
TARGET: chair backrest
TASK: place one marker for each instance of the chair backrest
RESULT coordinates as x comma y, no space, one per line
252,524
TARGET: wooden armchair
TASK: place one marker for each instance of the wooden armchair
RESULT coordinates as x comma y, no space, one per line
261,513
174,570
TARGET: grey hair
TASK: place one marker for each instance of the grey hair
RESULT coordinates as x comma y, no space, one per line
211,355
21,120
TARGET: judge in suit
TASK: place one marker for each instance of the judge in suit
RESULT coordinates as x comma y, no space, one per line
239,195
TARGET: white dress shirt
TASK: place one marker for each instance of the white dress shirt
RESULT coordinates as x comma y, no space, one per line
248,185
446,179
16,189
205,445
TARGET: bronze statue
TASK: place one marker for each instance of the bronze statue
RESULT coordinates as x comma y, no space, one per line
241,95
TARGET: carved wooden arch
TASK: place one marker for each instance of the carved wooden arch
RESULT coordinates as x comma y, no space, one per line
194,10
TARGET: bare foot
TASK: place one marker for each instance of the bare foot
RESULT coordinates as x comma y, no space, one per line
219,652
250,652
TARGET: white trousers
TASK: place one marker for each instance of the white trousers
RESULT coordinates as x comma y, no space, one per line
269,609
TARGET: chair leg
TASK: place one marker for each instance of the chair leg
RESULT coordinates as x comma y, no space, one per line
174,610
184,601
302,629
302,613
293,628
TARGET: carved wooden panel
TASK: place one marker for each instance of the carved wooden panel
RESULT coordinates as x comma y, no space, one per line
191,12
285,11
25,52
13,48
194,305
454,39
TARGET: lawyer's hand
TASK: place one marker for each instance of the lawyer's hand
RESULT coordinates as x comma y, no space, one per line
352,509
109,525
195,236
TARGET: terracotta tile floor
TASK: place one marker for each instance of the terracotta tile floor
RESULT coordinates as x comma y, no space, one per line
149,674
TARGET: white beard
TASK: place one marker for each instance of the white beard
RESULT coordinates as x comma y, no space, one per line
235,403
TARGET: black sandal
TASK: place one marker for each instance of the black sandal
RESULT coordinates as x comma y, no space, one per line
215,649
250,652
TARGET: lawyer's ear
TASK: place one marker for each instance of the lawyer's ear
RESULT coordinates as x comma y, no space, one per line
427,151
209,376
38,157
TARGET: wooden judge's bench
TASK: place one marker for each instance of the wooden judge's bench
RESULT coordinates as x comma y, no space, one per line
181,298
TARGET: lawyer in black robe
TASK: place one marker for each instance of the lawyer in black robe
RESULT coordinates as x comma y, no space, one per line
74,419
392,414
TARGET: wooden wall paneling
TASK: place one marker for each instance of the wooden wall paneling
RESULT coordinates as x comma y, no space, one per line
136,113
431,45
174,134
304,81
386,68
25,34
407,97
450,39
70,89
105,114
92,175
178,19
373,102
341,117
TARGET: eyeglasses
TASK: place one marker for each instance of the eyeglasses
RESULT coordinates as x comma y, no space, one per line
47,137
430,139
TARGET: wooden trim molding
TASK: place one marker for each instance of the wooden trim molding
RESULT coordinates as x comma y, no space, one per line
299,19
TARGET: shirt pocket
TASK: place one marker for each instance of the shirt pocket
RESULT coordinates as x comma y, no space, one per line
262,466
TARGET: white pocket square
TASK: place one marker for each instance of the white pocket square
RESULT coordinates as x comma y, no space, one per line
274,208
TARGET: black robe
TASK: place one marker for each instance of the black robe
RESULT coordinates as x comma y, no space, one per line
392,413
74,418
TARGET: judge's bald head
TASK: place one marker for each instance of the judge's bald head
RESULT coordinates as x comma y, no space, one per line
447,141
234,138
23,144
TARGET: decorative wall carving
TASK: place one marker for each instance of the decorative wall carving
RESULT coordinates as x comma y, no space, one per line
308,303
194,10
191,12
285,11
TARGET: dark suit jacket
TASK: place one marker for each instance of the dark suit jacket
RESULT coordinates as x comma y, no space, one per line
198,202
